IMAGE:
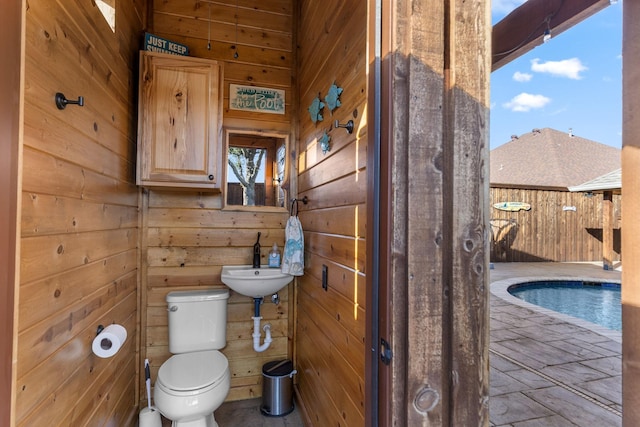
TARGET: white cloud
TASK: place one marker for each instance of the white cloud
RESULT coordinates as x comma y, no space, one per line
522,77
505,6
570,68
526,102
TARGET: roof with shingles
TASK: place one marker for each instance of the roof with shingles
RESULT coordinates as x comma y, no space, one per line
547,158
608,182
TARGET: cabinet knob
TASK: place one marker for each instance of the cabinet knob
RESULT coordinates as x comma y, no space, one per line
210,177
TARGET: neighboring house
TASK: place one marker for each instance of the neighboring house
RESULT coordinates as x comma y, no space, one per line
538,168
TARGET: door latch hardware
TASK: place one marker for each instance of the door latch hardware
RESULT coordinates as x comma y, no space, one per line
385,352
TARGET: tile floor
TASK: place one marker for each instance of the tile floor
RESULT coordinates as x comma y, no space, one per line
246,413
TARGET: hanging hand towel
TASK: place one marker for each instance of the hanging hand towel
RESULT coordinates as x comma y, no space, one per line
293,257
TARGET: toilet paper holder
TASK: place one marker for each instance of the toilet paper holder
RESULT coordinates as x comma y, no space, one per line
108,340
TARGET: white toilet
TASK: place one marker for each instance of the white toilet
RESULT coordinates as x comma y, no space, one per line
194,382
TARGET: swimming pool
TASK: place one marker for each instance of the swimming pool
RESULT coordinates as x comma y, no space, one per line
592,301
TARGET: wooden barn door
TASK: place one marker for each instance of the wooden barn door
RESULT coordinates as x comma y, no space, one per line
428,255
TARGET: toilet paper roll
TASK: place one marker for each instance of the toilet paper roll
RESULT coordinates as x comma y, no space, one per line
108,342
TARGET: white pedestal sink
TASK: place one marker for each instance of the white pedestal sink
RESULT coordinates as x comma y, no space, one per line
254,282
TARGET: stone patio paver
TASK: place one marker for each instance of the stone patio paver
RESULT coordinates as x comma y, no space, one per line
550,370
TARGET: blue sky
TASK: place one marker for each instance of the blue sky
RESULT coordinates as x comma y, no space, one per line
574,81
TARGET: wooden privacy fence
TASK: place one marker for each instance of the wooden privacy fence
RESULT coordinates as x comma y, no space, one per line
560,226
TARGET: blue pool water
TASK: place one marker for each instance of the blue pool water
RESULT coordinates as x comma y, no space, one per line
596,302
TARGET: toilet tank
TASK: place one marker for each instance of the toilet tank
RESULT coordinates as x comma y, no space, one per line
197,320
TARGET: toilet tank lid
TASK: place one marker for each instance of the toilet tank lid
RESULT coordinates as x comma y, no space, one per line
195,296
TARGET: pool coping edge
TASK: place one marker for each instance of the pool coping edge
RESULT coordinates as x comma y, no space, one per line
500,289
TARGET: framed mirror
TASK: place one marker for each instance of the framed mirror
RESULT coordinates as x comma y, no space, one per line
255,169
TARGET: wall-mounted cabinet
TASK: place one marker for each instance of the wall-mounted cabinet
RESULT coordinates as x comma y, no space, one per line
179,122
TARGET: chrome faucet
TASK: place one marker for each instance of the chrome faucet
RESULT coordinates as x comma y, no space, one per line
256,253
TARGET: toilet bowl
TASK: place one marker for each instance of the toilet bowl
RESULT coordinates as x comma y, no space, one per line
191,386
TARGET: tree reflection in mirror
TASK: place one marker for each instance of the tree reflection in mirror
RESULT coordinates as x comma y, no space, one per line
256,168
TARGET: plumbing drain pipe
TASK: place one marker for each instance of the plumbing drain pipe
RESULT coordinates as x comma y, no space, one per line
256,329
256,335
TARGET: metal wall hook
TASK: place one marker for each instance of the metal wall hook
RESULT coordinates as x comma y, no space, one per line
62,101
348,126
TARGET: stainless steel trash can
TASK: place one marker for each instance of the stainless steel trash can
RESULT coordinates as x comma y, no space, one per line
277,388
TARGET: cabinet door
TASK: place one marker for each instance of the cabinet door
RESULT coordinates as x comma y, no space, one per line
179,122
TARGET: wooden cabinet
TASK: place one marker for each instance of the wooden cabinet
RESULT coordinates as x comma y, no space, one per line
179,122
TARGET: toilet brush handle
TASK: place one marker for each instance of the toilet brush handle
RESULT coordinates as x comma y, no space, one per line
147,375
149,393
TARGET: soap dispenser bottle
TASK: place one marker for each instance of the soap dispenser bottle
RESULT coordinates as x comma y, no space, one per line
274,256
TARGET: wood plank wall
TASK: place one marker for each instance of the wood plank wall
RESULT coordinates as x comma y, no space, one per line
79,232
547,232
331,324
187,237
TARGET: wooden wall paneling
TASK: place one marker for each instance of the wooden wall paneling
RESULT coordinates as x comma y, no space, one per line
341,37
55,387
109,402
182,199
342,250
346,342
69,31
346,158
98,119
341,219
49,175
47,214
345,280
46,338
217,218
269,15
262,46
114,406
319,359
348,315
210,237
44,255
56,293
47,133
331,381
182,276
348,190
278,78
354,91
86,126
79,243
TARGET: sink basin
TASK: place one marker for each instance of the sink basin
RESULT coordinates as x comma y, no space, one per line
254,282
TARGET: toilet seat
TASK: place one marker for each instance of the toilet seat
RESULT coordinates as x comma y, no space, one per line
192,373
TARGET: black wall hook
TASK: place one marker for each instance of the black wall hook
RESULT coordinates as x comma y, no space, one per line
348,126
62,101
294,205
